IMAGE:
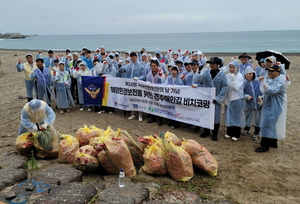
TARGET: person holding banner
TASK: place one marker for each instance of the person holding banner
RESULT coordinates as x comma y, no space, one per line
136,71
234,111
213,77
82,71
155,76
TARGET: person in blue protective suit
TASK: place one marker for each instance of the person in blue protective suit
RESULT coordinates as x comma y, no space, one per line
143,51
27,68
88,59
244,58
43,77
188,75
174,77
269,62
83,52
49,61
179,64
155,76
62,83
260,71
98,69
252,94
214,77
36,115
234,110
145,62
162,58
187,68
173,55
113,60
136,71
82,71
109,68
119,59
274,109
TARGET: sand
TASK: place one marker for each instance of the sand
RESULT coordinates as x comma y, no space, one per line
245,176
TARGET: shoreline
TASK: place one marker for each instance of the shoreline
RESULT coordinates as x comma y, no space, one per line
225,54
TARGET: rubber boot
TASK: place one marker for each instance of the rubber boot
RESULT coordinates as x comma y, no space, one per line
29,99
205,133
215,132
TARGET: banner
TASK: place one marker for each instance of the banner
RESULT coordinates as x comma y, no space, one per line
181,103
93,90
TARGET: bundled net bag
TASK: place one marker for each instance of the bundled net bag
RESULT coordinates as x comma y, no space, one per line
67,149
46,143
154,160
135,150
24,143
169,136
179,162
115,155
201,157
85,134
86,159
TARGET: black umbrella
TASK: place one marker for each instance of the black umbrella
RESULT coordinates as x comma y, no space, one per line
279,57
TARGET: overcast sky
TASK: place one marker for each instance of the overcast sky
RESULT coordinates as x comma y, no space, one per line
45,17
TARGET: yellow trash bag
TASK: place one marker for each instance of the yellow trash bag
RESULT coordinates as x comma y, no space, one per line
201,157
115,155
24,143
135,150
85,134
46,143
100,131
169,136
179,162
86,159
67,149
150,140
154,160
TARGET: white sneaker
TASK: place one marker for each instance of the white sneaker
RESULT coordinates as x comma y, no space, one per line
110,112
103,111
255,137
227,136
235,138
131,117
81,109
89,110
99,112
140,118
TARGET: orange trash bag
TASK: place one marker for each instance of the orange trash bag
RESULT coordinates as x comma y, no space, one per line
85,134
179,162
46,143
135,150
154,160
67,149
86,159
150,140
115,155
201,157
24,143
169,136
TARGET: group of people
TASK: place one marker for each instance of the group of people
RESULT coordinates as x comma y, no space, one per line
251,95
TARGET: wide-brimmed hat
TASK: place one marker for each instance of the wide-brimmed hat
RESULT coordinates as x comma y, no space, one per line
245,55
214,60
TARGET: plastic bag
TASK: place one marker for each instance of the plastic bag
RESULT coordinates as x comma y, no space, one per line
150,140
169,136
135,150
86,159
67,149
201,157
115,155
179,162
85,134
154,160
99,131
24,143
46,143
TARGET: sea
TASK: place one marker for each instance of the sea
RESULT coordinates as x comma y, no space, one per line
207,42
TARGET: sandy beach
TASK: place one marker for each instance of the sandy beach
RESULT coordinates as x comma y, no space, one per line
244,176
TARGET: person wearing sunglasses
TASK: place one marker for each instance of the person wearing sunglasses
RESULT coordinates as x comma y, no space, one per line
274,109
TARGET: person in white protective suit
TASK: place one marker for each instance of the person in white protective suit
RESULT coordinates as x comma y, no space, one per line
36,115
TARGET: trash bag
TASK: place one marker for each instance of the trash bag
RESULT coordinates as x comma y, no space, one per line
150,140
67,149
24,143
169,136
201,157
135,150
115,155
86,159
154,160
100,131
46,143
179,162
85,134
